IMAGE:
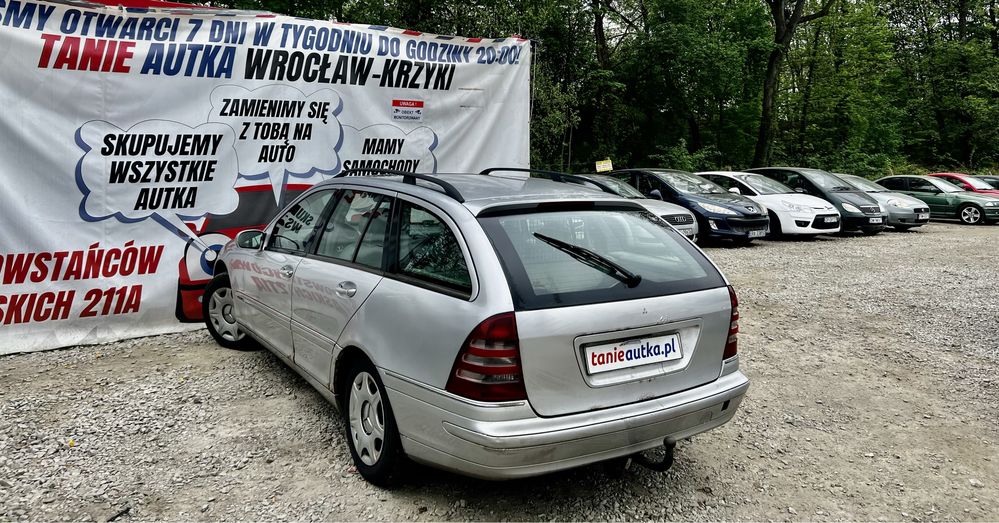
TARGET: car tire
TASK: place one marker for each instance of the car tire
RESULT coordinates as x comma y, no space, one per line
370,428
217,308
775,231
971,214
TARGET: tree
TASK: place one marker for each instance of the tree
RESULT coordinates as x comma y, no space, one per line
786,18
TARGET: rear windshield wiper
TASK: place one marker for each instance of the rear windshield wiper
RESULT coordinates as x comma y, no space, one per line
593,259
840,188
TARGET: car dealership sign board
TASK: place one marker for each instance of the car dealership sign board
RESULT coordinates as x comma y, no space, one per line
133,144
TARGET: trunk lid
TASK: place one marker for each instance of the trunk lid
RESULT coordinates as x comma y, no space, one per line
570,355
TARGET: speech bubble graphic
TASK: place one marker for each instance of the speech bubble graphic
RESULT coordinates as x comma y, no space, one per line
280,131
157,169
385,146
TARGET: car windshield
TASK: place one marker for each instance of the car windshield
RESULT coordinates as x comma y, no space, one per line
826,181
688,183
622,188
862,183
944,185
764,185
585,254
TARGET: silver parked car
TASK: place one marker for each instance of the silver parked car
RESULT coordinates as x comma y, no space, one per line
904,211
680,218
493,326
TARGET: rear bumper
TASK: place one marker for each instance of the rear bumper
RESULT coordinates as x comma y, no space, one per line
510,441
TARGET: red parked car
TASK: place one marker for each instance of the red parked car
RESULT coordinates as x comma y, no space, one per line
969,183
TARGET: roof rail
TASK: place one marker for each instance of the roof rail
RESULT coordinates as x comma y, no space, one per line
554,176
407,177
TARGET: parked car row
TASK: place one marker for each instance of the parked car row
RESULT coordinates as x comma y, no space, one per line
789,201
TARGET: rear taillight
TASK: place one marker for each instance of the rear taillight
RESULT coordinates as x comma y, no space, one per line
732,345
488,365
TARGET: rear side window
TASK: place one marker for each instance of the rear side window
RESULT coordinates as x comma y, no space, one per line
429,251
542,275
897,184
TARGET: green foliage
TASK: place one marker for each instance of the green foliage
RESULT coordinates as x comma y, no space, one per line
873,88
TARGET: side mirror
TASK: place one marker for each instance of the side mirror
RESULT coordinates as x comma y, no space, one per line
735,190
799,190
656,194
250,239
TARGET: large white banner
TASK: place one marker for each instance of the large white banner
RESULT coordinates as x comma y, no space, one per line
134,143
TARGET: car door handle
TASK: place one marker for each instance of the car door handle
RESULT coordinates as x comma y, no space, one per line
346,289
287,271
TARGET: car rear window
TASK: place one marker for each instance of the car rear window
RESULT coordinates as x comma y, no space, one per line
543,276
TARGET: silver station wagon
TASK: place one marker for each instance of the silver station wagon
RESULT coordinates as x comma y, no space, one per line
498,326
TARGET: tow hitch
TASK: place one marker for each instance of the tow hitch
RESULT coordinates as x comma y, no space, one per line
658,465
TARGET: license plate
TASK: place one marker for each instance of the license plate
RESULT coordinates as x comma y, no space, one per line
875,220
632,353
831,219
757,234
923,216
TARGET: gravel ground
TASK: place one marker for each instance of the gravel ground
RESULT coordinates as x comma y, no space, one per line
874,360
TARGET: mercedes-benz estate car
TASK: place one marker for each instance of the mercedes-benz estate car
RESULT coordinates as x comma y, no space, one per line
904,211
945,199
720,214
495,326
859,211
791,213
680,218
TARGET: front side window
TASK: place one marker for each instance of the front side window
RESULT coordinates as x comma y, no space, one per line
342,232
723,181
294,231
594,255
643,182
922,185
429,251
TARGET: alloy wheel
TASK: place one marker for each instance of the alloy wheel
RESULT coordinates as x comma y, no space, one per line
367,418
220,314
971,215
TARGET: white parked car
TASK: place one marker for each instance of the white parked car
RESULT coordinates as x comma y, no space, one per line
791,213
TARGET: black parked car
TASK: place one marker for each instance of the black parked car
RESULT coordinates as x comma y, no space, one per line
859,210
720,214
